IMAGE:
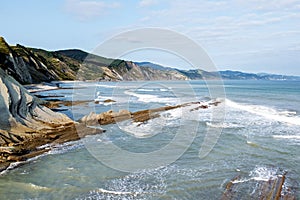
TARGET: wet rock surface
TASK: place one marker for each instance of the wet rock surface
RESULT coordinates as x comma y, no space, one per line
26,124
272,188
111,117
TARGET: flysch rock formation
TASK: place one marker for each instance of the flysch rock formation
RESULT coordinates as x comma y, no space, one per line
142,116
25,124
21,114
274,188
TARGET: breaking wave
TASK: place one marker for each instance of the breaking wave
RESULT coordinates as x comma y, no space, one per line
289,117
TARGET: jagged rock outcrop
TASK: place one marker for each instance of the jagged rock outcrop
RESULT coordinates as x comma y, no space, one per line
26,66
141,116
25,124
21,113
29,65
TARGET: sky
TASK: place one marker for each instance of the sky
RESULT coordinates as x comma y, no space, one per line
245,35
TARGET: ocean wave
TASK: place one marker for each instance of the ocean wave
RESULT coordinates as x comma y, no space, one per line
259,174
66,147
151,128
11,166
144,184
148,98
38,187
223,125
102,98
290,137
153,89
101,190
106,86
145,90
267,112
263,173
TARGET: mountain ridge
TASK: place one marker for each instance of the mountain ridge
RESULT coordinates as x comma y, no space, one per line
32,65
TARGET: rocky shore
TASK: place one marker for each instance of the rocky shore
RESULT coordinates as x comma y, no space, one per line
25,124
29,127
28,124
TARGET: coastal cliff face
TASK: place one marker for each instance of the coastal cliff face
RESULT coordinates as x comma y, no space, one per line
21,115
29,65
26,126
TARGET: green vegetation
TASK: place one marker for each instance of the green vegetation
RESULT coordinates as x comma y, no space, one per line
4,48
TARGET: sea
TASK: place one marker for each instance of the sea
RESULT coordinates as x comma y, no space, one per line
252,134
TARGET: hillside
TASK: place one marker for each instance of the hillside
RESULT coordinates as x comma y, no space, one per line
29,65
198,74
251,76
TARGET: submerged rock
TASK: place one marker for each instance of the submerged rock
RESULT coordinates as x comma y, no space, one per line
272,188
26,125
105,118
111,117
109,101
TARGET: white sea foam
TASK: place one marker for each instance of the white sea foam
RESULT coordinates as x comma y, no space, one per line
142,130
164,90
263,174
142,185
11,166
101,98
259,174
223,125
153,89
116,192
145,90
37,187
95,127
240,181
288,113
66,147
291,137
153,126
147,98
267,112
106,86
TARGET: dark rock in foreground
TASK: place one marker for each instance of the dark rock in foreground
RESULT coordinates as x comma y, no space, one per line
271,189
26,125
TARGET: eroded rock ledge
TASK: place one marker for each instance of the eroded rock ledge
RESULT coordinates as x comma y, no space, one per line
26,125
142,116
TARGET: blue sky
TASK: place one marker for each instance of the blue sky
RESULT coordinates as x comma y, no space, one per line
250,35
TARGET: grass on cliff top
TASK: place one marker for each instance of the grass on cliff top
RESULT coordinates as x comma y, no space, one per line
4,48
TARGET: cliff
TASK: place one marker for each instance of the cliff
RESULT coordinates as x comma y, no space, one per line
25,125
30,65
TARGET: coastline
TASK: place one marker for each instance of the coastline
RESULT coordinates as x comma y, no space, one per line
43,141
68,130
45,86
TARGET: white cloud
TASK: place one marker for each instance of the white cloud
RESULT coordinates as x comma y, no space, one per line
234,31
147,3
86,9
264,5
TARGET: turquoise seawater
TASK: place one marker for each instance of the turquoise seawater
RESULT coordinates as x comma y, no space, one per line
260,137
